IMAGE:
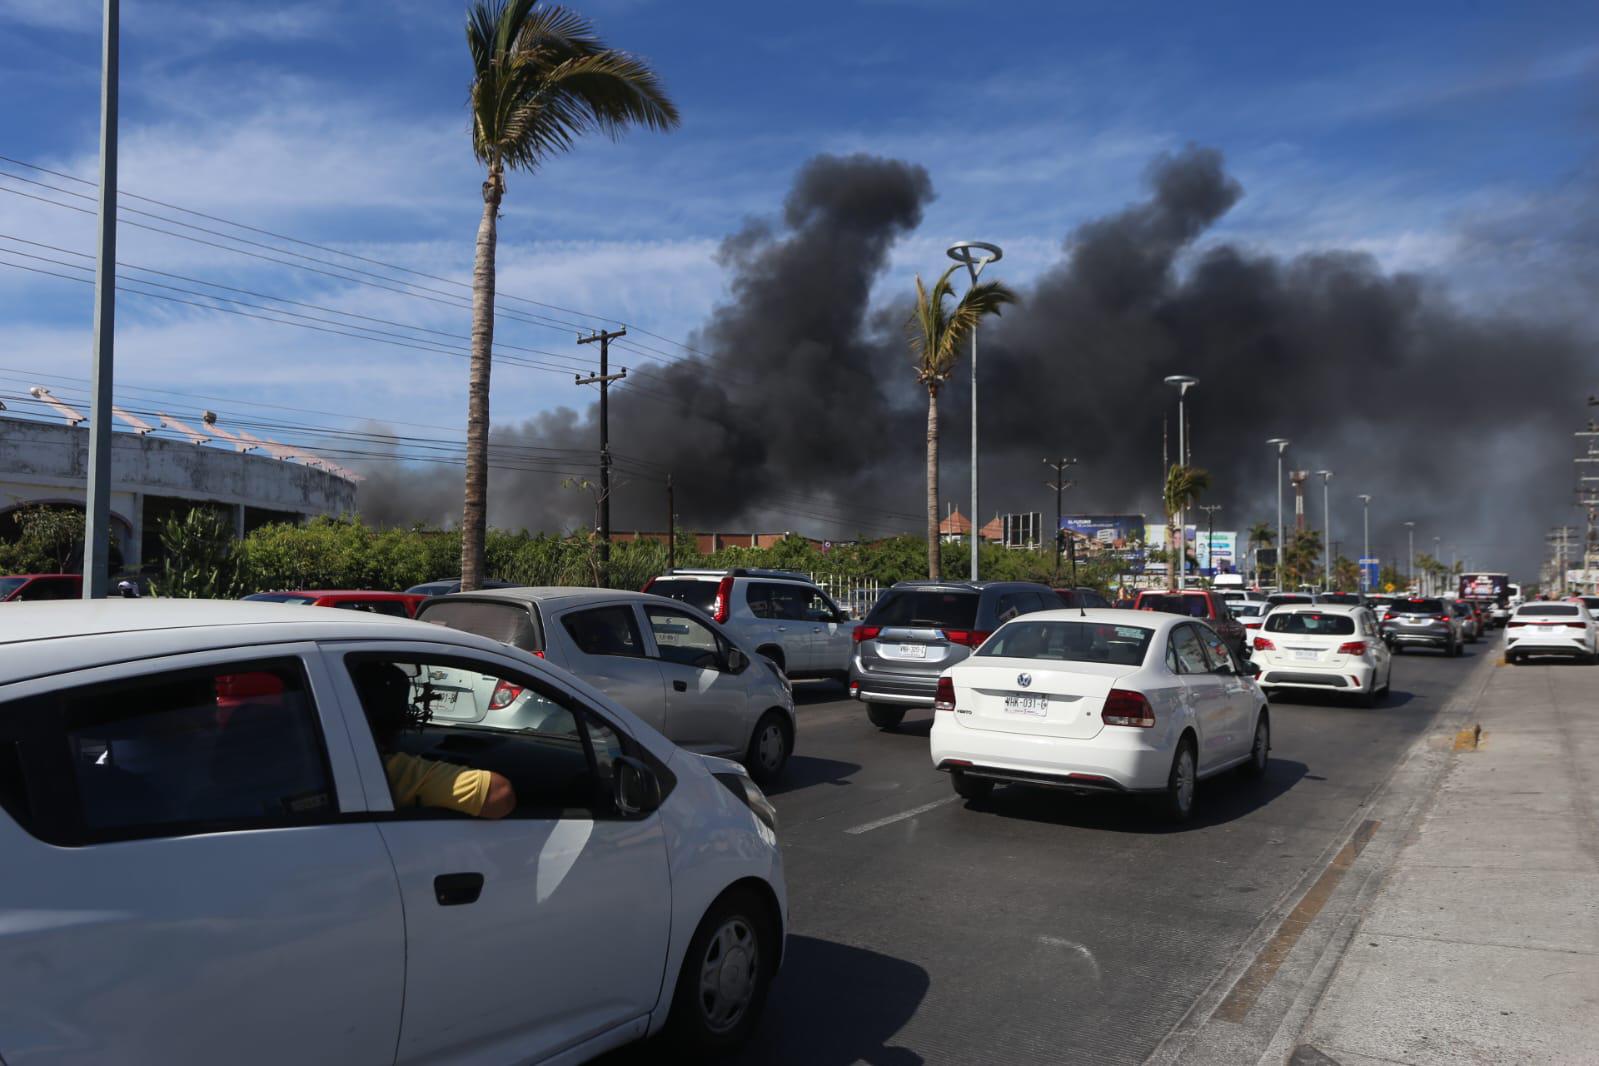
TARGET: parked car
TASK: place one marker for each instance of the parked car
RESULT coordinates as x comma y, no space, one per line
397,604
20,588
1543,628
1470,619
1081,597
668,663
1198,603
1117,701
921,628
1324,647
1250,614
204,862
783,615
446,586
1419,622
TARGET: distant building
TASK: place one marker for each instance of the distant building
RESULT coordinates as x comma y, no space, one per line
706,543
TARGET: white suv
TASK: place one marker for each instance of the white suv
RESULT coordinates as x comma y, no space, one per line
780,613
204,862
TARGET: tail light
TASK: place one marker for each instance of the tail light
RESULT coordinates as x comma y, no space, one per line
1515,625
1127,708
1575,625
504,695
971,638
1440,618
861,633
1262,644
1354,647
724,600
1388,616
944,699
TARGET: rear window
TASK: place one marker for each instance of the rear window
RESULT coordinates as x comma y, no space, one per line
282,597
1418,607
508,623
1192,606
1310,623
936,608
1278,599
1071,642
1340,597
701,594
1548,610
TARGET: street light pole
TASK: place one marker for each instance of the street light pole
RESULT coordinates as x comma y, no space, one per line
1182,383
975,255
1060,484
1365,540
1410,565
1210,510
1281,444
1326,536
97,509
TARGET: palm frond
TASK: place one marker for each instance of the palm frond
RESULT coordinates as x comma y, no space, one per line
936,332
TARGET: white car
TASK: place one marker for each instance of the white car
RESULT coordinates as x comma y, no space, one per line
1591,603
1100,701
1543,628
1251,613
204,862
1325,648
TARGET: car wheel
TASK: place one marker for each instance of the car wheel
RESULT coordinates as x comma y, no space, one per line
970,788
885,717
1369,698
1177,802
1260,752
725,977
1460,649
769,747
1398,649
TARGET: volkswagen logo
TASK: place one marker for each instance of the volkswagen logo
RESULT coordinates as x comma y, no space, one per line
1024,680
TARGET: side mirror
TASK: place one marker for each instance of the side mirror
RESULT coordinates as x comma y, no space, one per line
636,789
736,661
1251,668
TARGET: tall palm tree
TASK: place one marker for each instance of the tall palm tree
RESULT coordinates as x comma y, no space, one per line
936,333
540,79
1184,486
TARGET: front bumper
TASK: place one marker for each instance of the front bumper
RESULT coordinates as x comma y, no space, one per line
1117,759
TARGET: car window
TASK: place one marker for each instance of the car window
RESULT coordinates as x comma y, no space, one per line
1008,605
50,588
8,585
1310,623
469,715
1171,657
758,594
392,608
1190,653
789,602
605,631
1548,610
1070,641
508,623
685,640
1418,607
692,591
818,608
936,608
227,748
1215,649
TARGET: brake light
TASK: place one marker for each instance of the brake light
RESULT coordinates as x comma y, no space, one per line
1516,625
944,698
866,633
1262,644
1388,616
1576,625
724,599
1123,707
1440,618
1354,647
971,638
504,695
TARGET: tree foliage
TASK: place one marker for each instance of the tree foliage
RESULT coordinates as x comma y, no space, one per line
201,557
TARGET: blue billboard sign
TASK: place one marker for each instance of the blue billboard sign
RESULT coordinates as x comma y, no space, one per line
1370,574
1121,535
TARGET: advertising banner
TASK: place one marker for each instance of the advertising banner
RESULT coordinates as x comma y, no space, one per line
1120,535
1216,553
1370,571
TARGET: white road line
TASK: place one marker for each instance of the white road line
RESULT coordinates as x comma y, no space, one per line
900,817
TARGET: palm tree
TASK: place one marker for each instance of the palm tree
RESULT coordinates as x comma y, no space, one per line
1184,485
1260,535
936,334
540,79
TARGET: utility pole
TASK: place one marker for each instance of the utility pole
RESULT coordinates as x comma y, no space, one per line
1410,567
97,510
1365,540
1210,510
1060,485
604,379
1326,525
671,528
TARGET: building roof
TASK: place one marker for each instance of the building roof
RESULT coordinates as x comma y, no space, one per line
954,525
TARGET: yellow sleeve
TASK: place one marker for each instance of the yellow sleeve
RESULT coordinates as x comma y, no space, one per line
419,782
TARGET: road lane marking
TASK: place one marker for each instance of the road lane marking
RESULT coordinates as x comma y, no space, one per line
900,817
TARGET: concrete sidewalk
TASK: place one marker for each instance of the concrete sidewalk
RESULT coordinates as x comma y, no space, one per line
1482,944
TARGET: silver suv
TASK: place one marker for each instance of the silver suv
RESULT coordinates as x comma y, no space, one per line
1418,622
919,629
779,613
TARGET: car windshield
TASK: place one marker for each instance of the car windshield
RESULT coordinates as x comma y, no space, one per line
701,594
8,585
281,597
1071,642
1310,623
508,623
937,608
1548,610
1418,607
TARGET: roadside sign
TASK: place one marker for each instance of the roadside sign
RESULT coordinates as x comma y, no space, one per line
1369,574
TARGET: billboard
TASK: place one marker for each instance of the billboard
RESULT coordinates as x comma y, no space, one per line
1216,553
1370,574
1119,535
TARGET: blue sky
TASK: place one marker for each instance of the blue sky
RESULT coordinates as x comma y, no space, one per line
1406,130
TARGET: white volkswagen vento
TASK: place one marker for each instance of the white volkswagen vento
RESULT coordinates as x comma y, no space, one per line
1324,647
204,861
1100,701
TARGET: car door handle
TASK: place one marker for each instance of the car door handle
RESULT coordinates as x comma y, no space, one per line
456,890
680,686
782,629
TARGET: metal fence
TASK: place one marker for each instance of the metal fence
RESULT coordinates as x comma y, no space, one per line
857,594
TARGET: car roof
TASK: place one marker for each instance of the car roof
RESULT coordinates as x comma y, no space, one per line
4,576
1318,608
556,597
965,586
1112,615
377,594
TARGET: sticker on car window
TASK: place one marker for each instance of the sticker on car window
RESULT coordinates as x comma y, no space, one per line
1129,632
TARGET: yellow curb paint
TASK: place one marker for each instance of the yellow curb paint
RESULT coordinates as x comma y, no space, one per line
1469,739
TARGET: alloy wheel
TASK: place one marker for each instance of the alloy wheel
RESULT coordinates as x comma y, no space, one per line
728,975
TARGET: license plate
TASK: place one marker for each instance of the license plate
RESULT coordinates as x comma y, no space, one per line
913,651
1544,629
1303,656
1037,706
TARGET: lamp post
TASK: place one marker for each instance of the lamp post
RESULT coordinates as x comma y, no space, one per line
1182,383
1365,539
975,255
1326,532
1210,510
1410,565
97,500
1060,485
1437,560
1281,444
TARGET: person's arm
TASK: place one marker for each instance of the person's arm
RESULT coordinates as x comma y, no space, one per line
501,798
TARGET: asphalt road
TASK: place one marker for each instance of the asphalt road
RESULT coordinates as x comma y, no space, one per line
1038,927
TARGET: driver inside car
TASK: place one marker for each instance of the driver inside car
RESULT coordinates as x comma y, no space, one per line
415,781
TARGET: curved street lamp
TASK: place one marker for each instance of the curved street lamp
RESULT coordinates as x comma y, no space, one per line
1182,383
1281,444
975,255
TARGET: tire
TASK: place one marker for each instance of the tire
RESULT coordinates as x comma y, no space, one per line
1176,804
1513,658
1397,649
770,746
726,976
1369,699
974,789
1450,649
1460,649
885,717
1260,751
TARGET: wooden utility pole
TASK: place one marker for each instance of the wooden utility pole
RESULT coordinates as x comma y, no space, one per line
97,501
603,379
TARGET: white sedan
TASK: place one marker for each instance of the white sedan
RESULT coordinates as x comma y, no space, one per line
1100,701
1324,647
1543,628
205,861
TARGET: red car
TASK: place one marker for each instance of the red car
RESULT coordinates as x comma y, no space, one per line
1198,603
398,604
41,587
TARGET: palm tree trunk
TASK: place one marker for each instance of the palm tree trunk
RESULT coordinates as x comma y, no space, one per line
933,546
474,509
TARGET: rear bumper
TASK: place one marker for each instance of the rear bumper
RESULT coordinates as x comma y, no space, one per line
1348,677
1426,638
1117,759
908,690
1546,644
